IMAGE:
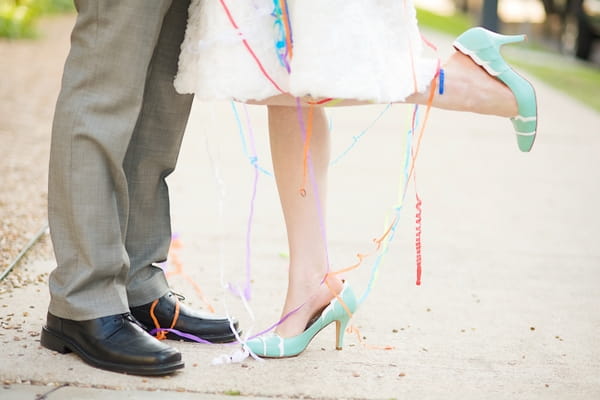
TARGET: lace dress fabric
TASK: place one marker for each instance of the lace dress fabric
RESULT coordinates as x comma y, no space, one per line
349,49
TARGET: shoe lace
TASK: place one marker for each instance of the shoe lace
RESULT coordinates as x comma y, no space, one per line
180,297
161,333
129,317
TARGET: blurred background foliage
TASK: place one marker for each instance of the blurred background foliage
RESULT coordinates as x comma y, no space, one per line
18,17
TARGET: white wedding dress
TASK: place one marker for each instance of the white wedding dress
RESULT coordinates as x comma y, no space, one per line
349,49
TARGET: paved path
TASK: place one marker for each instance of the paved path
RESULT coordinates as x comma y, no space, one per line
509,302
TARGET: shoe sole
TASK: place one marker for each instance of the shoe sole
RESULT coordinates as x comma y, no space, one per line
62,344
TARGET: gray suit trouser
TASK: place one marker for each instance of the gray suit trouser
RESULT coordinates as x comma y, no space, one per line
117,131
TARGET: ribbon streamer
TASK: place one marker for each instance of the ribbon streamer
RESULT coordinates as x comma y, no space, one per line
284,49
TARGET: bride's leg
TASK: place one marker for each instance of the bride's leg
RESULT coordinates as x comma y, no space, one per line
467,87
304,215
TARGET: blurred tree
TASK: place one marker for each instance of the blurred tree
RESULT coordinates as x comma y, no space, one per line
549,6
462,5
489,15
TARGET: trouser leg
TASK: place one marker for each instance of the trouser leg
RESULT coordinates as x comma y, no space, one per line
151,157
97,110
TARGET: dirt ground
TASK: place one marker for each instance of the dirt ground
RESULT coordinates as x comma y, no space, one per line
30,73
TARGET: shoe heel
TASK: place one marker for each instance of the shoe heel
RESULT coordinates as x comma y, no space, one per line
52,342
340,330
500,40
483,46
479,38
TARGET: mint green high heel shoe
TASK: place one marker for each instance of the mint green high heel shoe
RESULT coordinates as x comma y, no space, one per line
483,47
275,346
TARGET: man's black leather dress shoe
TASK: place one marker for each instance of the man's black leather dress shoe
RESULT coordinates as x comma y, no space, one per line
115,343
203,325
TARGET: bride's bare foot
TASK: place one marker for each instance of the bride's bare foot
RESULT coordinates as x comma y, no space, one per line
468,87
314,295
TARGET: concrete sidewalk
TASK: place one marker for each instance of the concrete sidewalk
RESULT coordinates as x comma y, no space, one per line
508,307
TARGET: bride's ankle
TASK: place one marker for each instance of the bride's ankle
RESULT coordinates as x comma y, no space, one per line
312,301
334,283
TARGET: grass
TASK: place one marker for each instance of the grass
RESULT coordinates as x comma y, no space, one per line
580,80
18,17
453,25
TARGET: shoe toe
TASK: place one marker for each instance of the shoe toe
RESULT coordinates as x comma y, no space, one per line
525,143
115,343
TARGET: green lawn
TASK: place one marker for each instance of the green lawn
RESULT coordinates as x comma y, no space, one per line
18,17
453,25
578,79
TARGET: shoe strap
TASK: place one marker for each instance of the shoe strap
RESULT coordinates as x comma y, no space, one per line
160,333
